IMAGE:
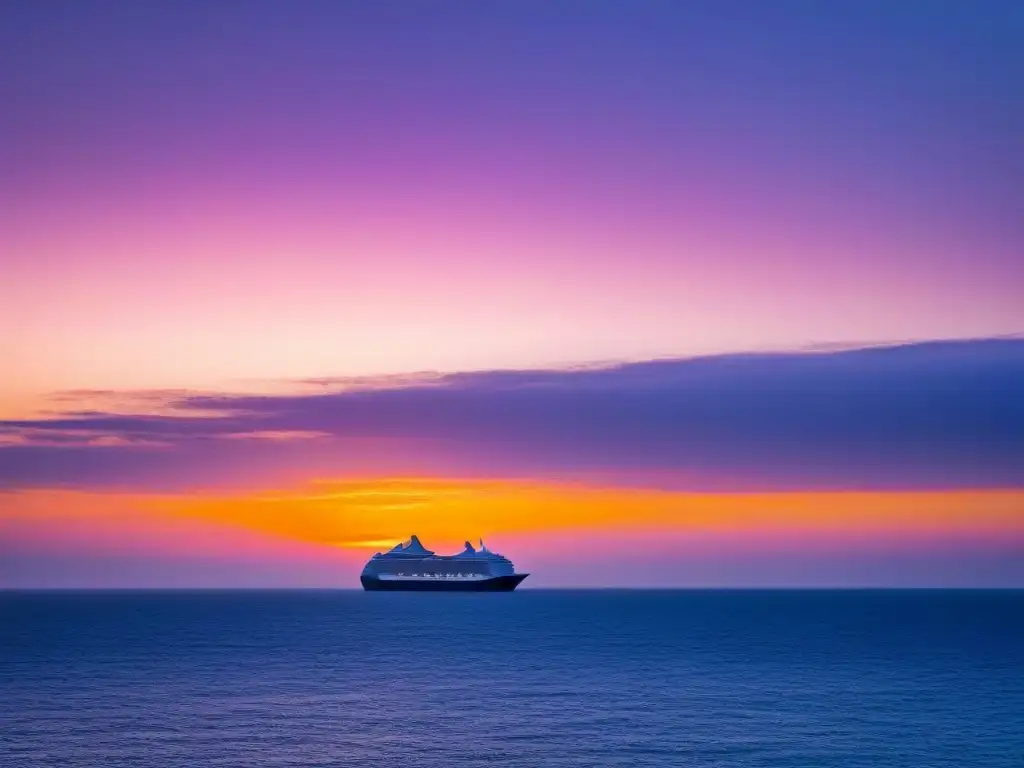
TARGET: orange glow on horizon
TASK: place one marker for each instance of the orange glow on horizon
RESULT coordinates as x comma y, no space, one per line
375,514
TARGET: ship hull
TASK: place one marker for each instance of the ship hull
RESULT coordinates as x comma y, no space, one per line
494,584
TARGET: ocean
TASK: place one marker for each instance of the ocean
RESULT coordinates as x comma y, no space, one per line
531,678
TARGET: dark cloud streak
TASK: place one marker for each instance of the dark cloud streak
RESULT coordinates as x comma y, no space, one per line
938,414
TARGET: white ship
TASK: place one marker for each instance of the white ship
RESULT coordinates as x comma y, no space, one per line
412,567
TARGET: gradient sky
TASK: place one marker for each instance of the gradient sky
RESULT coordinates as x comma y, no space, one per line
707,293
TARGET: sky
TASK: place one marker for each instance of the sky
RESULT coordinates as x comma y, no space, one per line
647,294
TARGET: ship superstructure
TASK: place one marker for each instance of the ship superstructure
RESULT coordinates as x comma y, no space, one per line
412,567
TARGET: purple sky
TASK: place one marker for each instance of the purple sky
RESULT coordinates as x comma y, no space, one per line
254,244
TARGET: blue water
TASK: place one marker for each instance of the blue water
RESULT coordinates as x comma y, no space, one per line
533,678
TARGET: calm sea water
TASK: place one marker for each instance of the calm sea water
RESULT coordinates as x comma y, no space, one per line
533,678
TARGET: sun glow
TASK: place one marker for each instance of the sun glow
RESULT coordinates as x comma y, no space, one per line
378,513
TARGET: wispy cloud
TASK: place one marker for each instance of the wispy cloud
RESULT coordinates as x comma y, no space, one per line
275,434
940,414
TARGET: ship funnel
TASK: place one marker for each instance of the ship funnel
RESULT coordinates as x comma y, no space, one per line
413,547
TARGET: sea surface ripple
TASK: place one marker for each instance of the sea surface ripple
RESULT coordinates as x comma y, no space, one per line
532,678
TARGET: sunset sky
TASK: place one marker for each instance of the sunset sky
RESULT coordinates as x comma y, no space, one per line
644,293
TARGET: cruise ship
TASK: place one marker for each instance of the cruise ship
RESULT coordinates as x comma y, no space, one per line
412,567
